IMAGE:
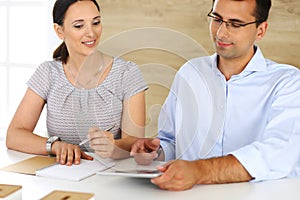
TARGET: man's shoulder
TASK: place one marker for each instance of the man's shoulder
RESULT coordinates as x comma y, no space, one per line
201,60
196,63
282,68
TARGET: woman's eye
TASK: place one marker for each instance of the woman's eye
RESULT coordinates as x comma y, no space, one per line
78,26
96,22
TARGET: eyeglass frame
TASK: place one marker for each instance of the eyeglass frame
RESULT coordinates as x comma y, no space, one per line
228,23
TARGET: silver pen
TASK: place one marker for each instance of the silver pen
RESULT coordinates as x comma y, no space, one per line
88,139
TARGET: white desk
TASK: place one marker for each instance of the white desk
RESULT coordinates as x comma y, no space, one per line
105,187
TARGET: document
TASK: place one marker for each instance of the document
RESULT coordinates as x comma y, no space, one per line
85,169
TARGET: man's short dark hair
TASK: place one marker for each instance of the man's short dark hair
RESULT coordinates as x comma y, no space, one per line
262,10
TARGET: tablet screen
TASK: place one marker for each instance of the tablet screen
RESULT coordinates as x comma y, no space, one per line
128,167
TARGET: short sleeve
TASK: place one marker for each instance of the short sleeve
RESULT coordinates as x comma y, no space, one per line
133,81
40,80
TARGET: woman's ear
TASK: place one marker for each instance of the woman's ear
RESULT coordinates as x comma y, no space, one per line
261,30
58,30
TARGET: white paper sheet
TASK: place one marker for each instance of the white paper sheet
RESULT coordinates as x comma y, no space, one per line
85,169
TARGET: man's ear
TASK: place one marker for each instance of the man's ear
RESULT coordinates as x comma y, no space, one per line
261,30
58,30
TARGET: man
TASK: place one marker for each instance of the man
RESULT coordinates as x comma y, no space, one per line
249,130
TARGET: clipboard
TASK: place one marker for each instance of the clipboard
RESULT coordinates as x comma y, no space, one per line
31,165
47,167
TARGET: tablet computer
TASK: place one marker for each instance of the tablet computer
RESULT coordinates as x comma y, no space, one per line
135,173
129,168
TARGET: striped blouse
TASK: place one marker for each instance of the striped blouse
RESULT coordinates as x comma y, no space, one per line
71,111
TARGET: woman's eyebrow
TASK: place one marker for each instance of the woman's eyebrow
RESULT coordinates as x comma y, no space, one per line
82,20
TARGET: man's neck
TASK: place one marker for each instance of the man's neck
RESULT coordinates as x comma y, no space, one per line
230,68
233,66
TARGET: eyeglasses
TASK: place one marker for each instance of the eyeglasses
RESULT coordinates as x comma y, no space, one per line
231,26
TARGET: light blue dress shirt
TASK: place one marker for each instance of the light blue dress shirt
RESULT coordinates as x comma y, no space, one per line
254,116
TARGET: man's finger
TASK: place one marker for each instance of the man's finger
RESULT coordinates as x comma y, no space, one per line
152,144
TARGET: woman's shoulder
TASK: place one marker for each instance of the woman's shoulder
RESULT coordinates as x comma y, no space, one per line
50,67
54,64
121,63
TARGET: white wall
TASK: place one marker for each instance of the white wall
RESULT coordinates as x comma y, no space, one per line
26,39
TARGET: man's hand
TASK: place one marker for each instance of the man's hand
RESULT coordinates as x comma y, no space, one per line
177,175
144,150
182,175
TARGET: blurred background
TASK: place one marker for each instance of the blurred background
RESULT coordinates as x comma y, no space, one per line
158,35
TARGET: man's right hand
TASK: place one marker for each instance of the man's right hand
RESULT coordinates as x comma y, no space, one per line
145,150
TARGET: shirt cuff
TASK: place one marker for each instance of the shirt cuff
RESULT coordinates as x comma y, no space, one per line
253,162
169,150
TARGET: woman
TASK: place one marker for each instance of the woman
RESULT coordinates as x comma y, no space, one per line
115,99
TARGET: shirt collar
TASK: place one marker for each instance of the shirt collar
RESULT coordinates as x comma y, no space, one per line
257,63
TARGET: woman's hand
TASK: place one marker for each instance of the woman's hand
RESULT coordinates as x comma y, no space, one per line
68,154
102,142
